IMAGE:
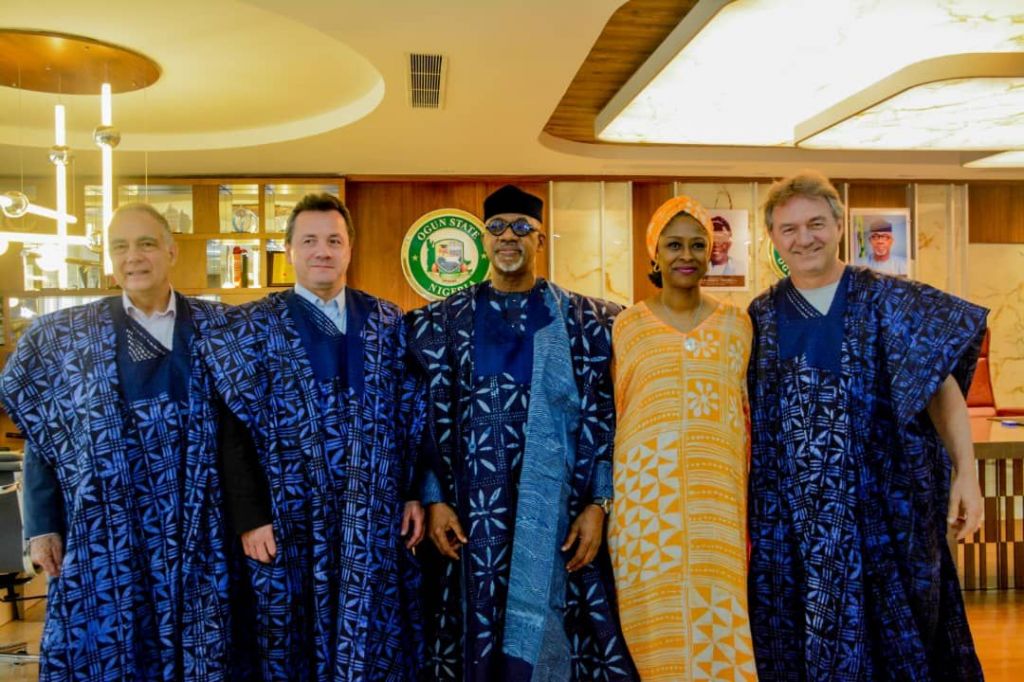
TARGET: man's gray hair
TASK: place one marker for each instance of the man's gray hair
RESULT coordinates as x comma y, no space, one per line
807,183
148,209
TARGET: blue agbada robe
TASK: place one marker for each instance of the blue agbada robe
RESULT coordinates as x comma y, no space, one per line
129,430
520,430
330,415
850,574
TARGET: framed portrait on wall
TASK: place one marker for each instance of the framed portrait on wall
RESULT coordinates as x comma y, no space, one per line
880,240
730,253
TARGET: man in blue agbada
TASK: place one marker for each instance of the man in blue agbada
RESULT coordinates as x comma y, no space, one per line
857,383
518,469
316,375
121,493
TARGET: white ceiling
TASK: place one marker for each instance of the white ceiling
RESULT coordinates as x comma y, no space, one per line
319,87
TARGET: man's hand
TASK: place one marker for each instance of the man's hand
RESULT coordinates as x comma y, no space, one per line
47,551
445,531
412,524
948,411
588,531
965,503
259,544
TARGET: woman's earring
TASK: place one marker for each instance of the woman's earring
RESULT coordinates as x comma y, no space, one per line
655,267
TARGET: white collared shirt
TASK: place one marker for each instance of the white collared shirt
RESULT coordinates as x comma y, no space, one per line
334,308
160,324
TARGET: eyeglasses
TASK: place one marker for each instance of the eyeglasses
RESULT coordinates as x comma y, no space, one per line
520,227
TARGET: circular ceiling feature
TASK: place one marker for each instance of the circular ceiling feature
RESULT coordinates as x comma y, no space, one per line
65,64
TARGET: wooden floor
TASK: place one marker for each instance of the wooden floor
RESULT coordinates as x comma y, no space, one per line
27,630
997,622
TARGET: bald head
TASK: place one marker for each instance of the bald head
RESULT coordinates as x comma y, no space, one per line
147,209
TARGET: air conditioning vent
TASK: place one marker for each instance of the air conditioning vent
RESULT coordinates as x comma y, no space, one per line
427,80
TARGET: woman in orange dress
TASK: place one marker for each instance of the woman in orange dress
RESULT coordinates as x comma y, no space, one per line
677,532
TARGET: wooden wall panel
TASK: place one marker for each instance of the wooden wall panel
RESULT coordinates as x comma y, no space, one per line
206,209
383,211
996,213
878,195
647,197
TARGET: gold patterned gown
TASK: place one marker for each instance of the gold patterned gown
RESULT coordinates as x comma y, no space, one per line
677,533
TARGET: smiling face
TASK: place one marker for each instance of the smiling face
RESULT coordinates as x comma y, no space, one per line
320,251
142,253
510,254
683,254
807,235
881,244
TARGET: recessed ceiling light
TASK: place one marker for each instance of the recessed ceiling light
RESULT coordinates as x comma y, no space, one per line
967,102
1013,159
747,72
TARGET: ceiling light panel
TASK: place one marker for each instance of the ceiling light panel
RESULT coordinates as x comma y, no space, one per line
747,72
966,114
1013,159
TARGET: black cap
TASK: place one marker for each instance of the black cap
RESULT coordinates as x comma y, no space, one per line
511,199
880,225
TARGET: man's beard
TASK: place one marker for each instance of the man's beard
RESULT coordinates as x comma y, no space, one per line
510,267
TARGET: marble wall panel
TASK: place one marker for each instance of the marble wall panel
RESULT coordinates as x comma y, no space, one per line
576,236
617,223
995,279
591,239
933,236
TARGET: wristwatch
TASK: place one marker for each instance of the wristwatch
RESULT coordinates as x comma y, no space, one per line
605,503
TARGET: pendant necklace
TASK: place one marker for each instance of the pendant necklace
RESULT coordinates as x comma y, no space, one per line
689,344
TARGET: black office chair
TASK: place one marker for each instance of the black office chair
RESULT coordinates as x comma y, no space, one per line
15,568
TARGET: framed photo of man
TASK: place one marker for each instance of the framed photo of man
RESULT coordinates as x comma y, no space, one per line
730,253
880,240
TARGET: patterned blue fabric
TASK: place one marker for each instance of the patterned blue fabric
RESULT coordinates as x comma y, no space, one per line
326,346
338,601
143,593
504,325
808,333
477,448
850,574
